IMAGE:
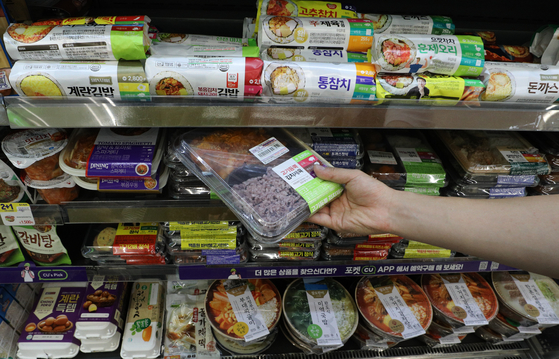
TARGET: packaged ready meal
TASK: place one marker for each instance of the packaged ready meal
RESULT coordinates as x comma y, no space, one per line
76,42
10,253
332,142
225,77
133,153
319,82
545,44
42,244
304,8
312,55
143,329
519,82
406,249
264,176
410,24
49,330
454,55
315,33
71,79
432,89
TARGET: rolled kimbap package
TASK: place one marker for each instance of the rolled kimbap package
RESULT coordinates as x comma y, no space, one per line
315,55
99,20
223,77
315,33
77,42
319,82
520,82
438,54
410,24
69,79
187,45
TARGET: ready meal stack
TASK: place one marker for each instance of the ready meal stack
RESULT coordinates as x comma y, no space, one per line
210,242
118,160
352,246
70,58
125,244
302,244
484,164
548,143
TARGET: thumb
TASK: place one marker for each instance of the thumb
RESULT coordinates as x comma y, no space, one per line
336,175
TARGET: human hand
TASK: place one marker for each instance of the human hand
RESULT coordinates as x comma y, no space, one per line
363,207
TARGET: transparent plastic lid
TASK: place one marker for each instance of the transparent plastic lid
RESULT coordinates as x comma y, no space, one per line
100,345
122,239
265,176
480,192
24,148
494,152
402,157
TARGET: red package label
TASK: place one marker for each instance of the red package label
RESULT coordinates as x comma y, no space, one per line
253,74
370,255
373,246
384,236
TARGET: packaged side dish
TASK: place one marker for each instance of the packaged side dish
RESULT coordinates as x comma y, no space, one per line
76,79
332,142
406,249
100,315
438,89
248,168
494,152
456,190
393,307
221,77
301,312
36,150
319,82
236,348
454,55
312,55
143,331
225,303
357,252
354,35
282,255
114,153
403,157
150,185
49,330
464,299
42,244
527,298
10,253
304,8
76,42
519,82
410,24
139,239
343,239
508,53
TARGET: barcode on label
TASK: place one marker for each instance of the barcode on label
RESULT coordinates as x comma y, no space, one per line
408,155
269,150
384,158
513,156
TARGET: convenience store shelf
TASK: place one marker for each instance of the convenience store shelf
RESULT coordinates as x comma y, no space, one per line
84,270
180,112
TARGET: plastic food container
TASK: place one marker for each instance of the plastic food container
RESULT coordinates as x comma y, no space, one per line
283,255
402,157
443,304
344,239
59,195
238,348
504,326
53,331
37,151
105,240
544,190
101,345
198,257
456,190
219,309
489,335
304,245
374,313
358,252
180,171
181,191
247,168
548,143
228,237
406,249
512,302
74,159
332,142
100,314
297,313
143,331
494,152
125,185
11,187
369,340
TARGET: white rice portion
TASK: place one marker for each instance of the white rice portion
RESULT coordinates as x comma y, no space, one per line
269,311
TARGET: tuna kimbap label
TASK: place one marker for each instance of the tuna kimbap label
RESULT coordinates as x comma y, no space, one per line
437,54
410,24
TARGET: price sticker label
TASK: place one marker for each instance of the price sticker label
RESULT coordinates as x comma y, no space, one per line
463,330
16,214
465,306
324,328
250,323
449,339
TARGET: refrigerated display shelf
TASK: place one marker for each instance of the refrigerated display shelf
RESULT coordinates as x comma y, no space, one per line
180,112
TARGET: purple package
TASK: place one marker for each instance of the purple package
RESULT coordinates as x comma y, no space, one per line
49,330
122,154
100,315
117,184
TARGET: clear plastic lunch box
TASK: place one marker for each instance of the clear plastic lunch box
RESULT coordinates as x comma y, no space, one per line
247,183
